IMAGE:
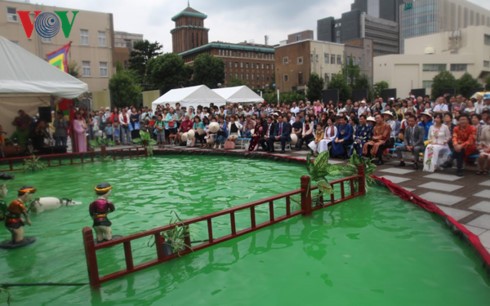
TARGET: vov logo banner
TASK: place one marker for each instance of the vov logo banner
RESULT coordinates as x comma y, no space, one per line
47,24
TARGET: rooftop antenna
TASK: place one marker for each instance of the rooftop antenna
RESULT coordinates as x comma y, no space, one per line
188,3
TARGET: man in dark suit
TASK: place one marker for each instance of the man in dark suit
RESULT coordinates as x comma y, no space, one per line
282,132
413,141
268,135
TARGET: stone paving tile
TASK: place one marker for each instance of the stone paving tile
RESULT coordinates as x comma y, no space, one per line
395,179
483,194
476,230
485,239
457,214
485,183
440,186
442,177
409,189
397,171
483,206
441,198
482,222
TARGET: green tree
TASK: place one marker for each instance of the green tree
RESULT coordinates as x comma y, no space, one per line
442,82
487,83
168,71
351,72
466,85
73,69
143,51
124,89
208,70
315,87
235,82
339,82
379,87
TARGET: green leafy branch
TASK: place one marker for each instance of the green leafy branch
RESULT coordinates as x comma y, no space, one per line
146,141
33,164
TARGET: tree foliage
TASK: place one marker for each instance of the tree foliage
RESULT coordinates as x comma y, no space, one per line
143,51
124,89
235,82
339,82
351,72
168,71
379,87
487,83
442,82
208,70
467,85
315,87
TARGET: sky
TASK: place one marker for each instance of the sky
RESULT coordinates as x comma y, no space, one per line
229,21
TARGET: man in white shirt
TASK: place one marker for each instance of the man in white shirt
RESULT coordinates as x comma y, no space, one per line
294,108
440,106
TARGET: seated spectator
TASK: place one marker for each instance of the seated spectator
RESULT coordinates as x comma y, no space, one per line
258,134
268,134
363,133
343,139
438,144
199,132
234,128
222,133
319,135
184,127
413,141
464,143
297,129
484,149
328,136
426,123
306,134
380,140
283,133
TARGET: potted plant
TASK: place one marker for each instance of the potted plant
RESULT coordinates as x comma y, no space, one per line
146,141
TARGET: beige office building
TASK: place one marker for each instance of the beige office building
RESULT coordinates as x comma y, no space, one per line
91,36
466,50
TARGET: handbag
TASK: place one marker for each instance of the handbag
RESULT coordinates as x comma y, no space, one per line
171,124
229,145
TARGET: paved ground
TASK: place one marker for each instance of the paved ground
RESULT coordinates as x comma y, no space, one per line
467,199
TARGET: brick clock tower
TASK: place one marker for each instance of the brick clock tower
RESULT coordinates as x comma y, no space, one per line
189,32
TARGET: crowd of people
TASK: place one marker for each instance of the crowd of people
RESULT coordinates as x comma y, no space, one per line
434,133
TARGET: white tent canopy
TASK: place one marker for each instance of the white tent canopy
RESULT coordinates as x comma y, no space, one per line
190,96
28,82
22,72
239,94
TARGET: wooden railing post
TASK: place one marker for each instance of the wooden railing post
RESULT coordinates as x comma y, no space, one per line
362,179
305,195
91,257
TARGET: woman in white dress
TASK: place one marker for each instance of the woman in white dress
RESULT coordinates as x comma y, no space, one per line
329,136
437,151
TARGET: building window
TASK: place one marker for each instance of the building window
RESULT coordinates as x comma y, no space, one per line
241,65
326,78
433,68
486,64
300,78
236,64
327,58
299,60
12,14
427,84
459,67
339,59
487,39
285,60
86,68
230,64
246,65
102,40
286,78
332,59
103,69
83,37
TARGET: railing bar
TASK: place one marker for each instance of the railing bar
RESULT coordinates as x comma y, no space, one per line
271,211
342,191
252,217
128,254
232,223
210,230
288,206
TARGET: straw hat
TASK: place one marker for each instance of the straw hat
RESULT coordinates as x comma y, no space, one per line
427,113
388,113
370,118
213,127
183,137
294,139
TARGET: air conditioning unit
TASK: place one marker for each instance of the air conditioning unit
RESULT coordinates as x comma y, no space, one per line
12,18
429,50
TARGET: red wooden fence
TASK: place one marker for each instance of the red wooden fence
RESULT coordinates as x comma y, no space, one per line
356,188
55,160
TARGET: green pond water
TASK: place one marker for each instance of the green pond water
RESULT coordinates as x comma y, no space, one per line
374,250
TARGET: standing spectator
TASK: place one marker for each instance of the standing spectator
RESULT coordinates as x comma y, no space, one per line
124,123
160,130
134,124
22,125
60,130
80,133
463,143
